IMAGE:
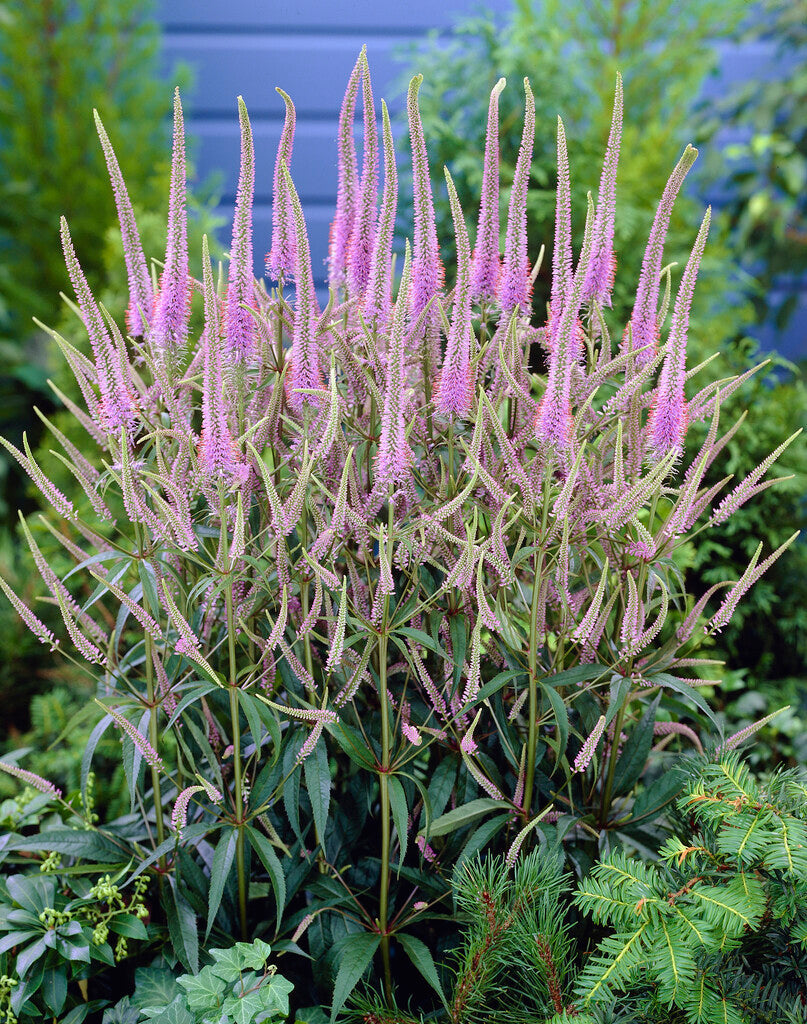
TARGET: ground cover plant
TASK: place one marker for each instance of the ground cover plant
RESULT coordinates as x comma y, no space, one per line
362,597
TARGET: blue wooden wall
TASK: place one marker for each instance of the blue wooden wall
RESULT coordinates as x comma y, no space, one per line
308,47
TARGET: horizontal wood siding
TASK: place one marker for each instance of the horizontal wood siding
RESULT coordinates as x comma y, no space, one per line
308,48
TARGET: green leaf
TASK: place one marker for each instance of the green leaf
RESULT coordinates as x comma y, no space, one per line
354,958
462,816
253,954
418,953
652,799
250,706
129,925
89,750
561,737
176,1012
204,991
440,786
352,742
634,755
420,637
275,995
243,1009
318,784
496,684
400,813
664,679
54,988
459,643
578,674
223,858
181,925
261,845
154,986
90,845
291,787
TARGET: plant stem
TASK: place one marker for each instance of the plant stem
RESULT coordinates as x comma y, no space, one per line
383,779
235,725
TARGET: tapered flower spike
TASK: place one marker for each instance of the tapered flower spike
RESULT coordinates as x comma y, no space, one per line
377,299
150,755
514,284
394,453
305,370
360,247
172,307
281,260
723,615
141,293
667,425
553,421
427,269
348,180
217,453
583,759
642,333
37,627
30,779
602,268
239,322
562,251
454,393
116,408
486,263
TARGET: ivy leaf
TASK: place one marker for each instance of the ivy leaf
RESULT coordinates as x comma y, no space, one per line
223,858
355,955
418,953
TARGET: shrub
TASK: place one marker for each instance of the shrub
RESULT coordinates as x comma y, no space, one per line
380,579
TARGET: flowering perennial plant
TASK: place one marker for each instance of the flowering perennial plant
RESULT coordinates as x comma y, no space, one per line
350,560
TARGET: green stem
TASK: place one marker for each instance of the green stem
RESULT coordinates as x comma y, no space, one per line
383,778
235,725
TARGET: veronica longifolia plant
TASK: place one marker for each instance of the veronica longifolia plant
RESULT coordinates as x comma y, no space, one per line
363,565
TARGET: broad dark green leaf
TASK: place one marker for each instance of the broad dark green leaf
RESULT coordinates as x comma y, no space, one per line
291,787
690,693
578,674
318,785
459,643
655,797
354,958
421,638
418,953
89,750
88,844
561,738
54,988
223,858
497,683
181,925
464,815
634,755
129,926
249,705
266,852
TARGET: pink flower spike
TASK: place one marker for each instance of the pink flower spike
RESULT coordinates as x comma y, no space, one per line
360,248
116,408
150,755
239,322
667,424
141,295
377,300
305,357
348,180
554,421
486,263
583,759
172,308
514,284
602,267
37,627
394,454
427,269
454,392
562,250
642,333
743,734
281,260
31,779
217,452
